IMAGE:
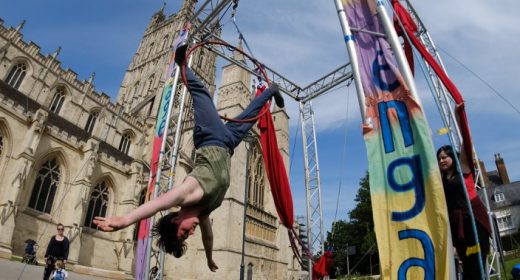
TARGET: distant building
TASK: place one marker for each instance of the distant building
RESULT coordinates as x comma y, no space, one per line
504,197
67,154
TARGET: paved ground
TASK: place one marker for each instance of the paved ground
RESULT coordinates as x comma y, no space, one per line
14,270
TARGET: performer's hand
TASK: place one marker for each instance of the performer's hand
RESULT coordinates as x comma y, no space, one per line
113,223
212,265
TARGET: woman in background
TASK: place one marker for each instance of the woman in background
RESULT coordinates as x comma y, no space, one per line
460,221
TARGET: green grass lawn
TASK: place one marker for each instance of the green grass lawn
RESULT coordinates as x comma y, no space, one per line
509,265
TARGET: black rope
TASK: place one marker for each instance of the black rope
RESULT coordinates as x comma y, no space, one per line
497,93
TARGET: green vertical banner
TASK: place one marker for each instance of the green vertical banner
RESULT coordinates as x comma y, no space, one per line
408,203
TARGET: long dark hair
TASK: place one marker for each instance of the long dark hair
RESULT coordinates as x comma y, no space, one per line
448,150
166,231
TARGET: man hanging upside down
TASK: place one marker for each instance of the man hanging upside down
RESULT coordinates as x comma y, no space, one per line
203,190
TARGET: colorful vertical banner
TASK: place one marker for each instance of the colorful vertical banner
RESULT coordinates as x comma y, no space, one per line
166,99
408,203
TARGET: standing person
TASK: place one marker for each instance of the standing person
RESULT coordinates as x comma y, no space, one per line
58,249
203,190
460,221
59,272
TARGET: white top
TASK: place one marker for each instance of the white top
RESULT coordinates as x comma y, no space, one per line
65,274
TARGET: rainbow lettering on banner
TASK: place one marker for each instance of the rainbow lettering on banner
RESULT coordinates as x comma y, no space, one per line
167,97
408,201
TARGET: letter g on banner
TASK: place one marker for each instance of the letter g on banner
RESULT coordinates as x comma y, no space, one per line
416,184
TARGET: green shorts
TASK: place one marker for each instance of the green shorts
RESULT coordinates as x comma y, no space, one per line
212,164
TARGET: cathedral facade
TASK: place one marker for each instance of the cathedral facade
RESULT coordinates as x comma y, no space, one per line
68,153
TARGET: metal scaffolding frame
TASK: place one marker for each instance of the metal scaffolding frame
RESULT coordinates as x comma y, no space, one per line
205,21
312,181
445,104
201,30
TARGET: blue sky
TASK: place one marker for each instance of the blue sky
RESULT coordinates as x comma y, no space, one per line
303,41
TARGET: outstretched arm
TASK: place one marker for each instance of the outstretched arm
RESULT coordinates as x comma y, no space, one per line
186,193
207,241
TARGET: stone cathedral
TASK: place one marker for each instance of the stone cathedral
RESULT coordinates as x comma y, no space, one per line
68,153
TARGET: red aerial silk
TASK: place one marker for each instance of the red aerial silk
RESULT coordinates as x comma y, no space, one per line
410,29
322,267
275,167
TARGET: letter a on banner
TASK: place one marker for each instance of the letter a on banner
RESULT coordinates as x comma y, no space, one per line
408,201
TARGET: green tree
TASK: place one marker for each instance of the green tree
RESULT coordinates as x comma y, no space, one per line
358,232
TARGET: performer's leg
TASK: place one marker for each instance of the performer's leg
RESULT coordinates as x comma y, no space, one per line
239,130
208,125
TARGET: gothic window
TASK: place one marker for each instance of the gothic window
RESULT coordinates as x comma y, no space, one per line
249,271
45,186
201,59
91,122
150,82
165,42
151,106
142,198
57,100
150,50
259,182
1,143
256,178
16,75
98,203
135,89
124,145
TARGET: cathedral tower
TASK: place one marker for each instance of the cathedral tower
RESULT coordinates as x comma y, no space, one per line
142,85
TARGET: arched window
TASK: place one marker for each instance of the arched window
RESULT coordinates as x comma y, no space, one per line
165,42
150,83
45,186
57,100
142,198
151,106
1,143
201,59
256,178
249,271
150,50
133,94
259,181
98,203
16,75
124,145
91,122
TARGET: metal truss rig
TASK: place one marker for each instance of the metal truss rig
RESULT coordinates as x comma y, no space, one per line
205,21
343,74
340,75
207,17
445,104
312,182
